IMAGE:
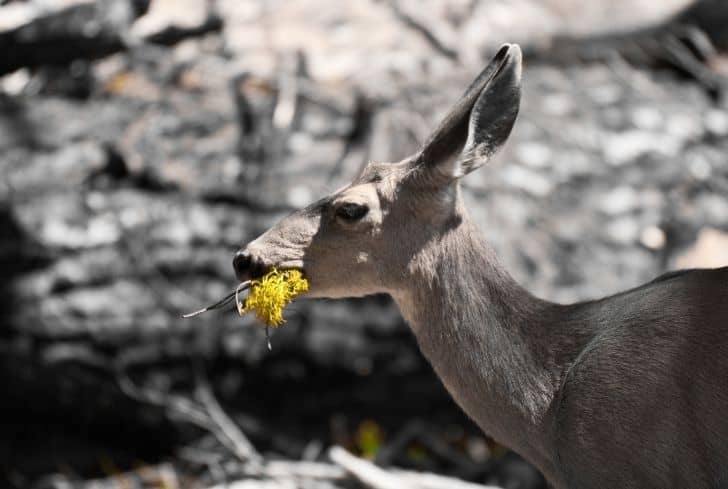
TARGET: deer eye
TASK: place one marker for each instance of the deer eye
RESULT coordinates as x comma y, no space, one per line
351,212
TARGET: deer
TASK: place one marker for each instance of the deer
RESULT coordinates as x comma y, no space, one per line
627,391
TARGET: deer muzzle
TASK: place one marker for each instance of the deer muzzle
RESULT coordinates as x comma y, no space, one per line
247,266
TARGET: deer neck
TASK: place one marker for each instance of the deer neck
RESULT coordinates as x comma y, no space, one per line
485,337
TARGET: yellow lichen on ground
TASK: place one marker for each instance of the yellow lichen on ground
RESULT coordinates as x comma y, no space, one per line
271,293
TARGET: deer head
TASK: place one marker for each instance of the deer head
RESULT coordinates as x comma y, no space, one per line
364,238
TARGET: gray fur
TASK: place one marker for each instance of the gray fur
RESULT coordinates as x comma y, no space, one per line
630,391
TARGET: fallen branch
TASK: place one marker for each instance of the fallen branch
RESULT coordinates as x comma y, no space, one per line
377,478
366,472
243,449
303,470
426,480
204,411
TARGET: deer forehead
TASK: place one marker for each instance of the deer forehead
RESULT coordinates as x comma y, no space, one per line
377,182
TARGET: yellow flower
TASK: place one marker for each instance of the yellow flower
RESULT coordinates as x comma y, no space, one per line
271,293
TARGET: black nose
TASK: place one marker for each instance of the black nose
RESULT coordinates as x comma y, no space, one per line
242,263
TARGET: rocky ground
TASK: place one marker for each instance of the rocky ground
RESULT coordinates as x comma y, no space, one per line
141,145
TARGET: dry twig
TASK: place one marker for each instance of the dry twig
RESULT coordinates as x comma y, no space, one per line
425,32
242,448
204,411
377,478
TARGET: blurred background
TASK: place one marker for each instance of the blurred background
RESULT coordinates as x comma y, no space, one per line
143,142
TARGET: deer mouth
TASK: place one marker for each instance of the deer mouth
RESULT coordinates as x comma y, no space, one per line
257,271
262,271
277,286
250,267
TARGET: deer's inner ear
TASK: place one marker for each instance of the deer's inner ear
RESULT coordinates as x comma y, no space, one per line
481,121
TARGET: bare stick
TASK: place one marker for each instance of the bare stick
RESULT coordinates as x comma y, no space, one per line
304,470
204,411
426,480
238,303
377,478
366,472
426,33
222,302
244,450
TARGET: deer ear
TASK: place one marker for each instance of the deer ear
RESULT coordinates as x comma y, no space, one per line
481,121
